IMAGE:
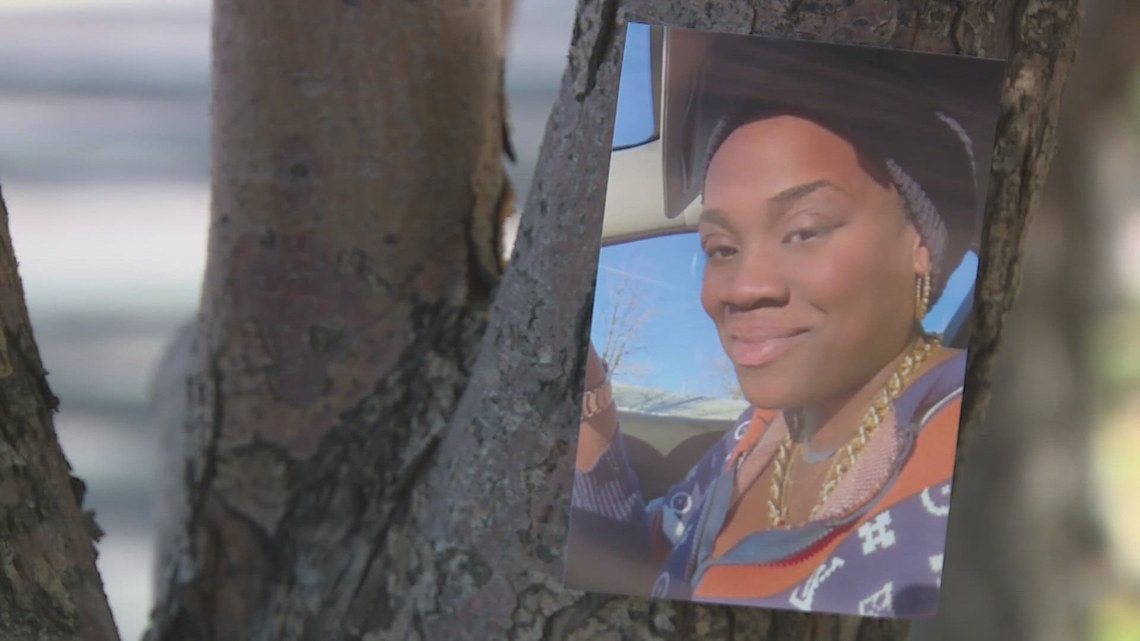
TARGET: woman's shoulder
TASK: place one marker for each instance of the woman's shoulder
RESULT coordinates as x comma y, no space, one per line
945,361
928,415
935,389
749,428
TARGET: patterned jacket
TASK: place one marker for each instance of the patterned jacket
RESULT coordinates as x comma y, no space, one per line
874,549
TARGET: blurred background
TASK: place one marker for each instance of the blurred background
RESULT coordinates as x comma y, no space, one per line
104,163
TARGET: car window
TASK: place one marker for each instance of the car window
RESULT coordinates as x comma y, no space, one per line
635,122
664,354
648,324
949,314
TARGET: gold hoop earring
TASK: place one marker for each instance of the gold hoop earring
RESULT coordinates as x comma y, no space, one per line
921,296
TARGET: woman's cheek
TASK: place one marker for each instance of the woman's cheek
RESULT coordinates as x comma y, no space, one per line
830,280
710,283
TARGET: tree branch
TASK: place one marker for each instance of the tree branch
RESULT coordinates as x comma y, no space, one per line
49,586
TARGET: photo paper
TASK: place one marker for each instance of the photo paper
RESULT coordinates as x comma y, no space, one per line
773,389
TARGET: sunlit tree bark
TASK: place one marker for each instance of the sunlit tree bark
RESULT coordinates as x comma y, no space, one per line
377,437
346,439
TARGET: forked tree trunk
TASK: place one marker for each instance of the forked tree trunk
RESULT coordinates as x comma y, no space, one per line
359,464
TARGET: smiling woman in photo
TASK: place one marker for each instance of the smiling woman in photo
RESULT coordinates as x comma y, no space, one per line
835,201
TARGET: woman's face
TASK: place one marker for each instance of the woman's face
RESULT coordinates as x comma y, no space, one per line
811,263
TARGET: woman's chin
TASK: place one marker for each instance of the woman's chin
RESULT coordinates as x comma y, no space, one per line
762,392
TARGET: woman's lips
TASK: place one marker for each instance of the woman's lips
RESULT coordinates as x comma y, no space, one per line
757,348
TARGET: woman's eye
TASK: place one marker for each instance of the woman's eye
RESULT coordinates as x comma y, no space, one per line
806,234
801,235
719,251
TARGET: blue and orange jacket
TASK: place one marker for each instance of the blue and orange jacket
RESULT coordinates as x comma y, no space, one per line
883,558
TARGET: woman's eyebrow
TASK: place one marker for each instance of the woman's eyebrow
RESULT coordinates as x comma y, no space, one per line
792,194
713,216
782,200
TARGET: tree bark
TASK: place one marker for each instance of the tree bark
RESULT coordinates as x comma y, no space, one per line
362,460
1025,558
49,587
357,155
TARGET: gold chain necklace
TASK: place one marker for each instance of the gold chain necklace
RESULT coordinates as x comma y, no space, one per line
777,501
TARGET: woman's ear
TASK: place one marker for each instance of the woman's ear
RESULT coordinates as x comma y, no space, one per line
922,264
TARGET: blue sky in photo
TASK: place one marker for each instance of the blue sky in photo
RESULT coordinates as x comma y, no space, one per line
633,122
677,348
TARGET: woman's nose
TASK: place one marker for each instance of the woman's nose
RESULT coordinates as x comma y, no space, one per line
757,280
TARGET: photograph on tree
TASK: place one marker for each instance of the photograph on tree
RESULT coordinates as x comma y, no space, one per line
773,386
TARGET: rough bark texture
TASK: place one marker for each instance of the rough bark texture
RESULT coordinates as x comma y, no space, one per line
357,158
49,587
358,464
1044,36
1025,558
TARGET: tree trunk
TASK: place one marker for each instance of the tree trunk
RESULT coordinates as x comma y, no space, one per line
361,459
1025,554
357,156
49,587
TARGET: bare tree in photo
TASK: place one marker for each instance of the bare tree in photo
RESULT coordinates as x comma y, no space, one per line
623,324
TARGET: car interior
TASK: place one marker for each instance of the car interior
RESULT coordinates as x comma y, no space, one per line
663,448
